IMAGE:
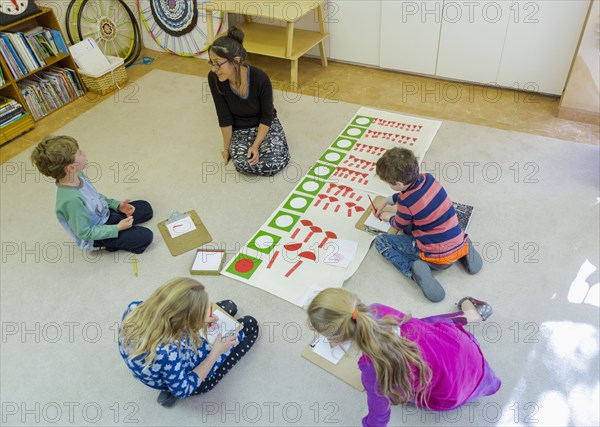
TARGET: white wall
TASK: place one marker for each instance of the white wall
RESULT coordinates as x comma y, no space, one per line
581,99
589,50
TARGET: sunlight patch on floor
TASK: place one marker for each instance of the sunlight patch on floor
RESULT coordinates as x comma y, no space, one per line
580,290
568,352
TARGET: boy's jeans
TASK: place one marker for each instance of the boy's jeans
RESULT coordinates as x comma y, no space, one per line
399,249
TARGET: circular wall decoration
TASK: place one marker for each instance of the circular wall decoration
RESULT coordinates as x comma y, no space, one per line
178,26
110,23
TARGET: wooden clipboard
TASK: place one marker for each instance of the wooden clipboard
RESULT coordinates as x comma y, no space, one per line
360,224
188,241
346,369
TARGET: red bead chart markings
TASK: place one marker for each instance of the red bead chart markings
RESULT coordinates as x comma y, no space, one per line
334,197
388,136
327,202
305,235
342,191
352,174
290,247
304,223
359,163
328,235
397,125
369,149
353,208
243,266
306,255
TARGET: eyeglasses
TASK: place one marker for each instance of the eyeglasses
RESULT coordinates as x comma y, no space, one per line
216,65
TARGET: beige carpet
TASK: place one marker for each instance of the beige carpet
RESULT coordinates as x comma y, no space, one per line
536,223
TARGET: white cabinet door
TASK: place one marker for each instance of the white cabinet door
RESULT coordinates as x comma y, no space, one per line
540,44
410,34
471,40
354,28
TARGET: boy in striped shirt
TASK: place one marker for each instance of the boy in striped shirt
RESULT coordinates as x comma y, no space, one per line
432,238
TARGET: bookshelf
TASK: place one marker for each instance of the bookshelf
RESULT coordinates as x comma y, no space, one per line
10,89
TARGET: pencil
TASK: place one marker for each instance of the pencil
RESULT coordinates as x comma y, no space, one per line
210,311
374,208
135,270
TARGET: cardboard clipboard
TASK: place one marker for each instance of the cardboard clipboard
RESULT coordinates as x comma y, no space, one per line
208,252
222,312
360,224
346,369
188,241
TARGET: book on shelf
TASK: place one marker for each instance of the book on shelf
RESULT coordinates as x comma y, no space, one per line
10,120
58,41
54,37
2,81
49,90
22,51
28,50
10,111
10,55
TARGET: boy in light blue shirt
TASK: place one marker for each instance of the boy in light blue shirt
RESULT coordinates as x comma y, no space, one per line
93,220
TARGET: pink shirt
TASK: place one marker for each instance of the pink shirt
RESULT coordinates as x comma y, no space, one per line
455,359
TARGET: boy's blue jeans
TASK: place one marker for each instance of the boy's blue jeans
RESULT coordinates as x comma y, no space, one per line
399,249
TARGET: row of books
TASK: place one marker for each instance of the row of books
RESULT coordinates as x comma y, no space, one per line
49,90
28,51
10,111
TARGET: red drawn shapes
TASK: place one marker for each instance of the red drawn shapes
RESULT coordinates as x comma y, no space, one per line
321,198
305,223
244,265
306,255
350,207
351,174
328,235
292,247
332,199
314,229
272,260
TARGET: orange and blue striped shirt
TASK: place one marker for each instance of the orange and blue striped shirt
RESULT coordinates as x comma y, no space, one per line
426,206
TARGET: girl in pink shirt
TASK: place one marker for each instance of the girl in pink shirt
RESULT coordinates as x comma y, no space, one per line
432,363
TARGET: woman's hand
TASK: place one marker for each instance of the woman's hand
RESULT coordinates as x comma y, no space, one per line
253,155
226,156
126,208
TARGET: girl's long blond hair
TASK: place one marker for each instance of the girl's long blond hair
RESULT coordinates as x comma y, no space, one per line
174,312
394,357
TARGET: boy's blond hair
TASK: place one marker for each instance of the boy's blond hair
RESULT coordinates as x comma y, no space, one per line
53,154
398,165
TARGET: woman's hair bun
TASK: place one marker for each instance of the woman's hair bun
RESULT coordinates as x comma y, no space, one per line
236,34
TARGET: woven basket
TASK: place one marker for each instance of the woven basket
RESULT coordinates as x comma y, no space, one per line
106,83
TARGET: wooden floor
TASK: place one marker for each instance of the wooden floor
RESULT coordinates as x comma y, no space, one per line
497,108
